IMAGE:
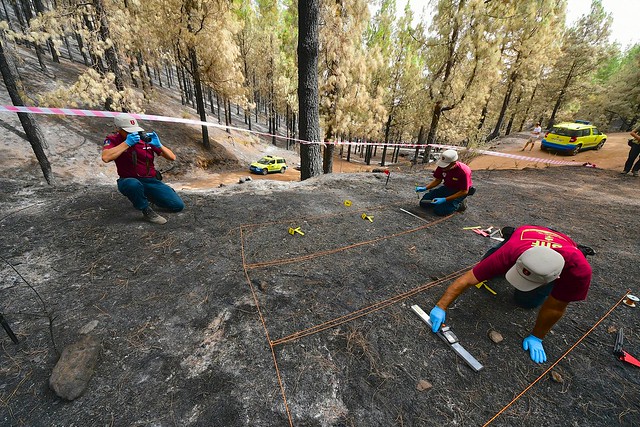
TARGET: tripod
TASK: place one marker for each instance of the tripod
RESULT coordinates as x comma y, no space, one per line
7,328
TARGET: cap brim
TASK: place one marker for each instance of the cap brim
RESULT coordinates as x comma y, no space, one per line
132,129
519,282
442,164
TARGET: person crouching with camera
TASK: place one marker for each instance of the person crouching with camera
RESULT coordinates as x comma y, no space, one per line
133,151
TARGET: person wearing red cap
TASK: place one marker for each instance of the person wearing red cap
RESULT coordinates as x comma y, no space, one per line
134,161
455,178
544,266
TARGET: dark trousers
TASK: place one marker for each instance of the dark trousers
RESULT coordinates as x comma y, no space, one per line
530,299
443,209
142,190
634,151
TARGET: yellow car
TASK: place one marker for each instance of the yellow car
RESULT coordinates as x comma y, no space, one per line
269,164
573,137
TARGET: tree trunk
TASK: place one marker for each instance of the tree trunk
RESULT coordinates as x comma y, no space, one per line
431,136
420,142
327,160
309,122
556,107
110,53
195,72
513,114
42,9
387,130
505,104
31,129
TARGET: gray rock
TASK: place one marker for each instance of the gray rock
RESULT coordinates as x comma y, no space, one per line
75,368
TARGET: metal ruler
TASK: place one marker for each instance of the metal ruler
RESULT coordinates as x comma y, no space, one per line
450,338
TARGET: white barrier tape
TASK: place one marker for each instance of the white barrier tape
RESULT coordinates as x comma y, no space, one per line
150,117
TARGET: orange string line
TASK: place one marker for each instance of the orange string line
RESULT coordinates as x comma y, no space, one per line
366,310
557,361
266,331
283,261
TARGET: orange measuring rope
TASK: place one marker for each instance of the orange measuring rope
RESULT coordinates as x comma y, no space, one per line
557,361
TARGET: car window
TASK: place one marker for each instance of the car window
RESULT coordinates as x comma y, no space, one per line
264,160
563,131
596,131
585,132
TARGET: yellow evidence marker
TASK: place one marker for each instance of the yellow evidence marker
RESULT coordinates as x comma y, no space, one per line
365,216
293,231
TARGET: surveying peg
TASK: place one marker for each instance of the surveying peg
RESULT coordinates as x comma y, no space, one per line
365,216
472,228
484,284
347,203
388,173
293,231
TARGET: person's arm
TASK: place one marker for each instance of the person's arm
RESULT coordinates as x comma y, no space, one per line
113,153
635,135
550,312
167,153
433,183
454,290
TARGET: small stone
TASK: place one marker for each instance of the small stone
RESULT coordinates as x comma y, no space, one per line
75,368
495,336
262,285
612,329
88,327
423,385
556,377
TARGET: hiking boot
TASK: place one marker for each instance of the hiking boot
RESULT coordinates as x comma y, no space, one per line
463,206
635,173
151,216
624,172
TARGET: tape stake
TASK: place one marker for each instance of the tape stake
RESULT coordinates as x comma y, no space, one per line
365,216
293,231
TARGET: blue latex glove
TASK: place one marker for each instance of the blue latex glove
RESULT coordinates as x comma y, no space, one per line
155,140
438,201
132,139
437,317
419,189
536,351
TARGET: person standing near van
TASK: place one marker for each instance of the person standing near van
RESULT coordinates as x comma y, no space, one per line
535,135
634,151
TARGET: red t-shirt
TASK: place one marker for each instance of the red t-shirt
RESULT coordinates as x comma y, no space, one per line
456,178
575,278
137,161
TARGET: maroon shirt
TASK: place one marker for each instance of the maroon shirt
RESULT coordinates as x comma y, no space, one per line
137,161
457,178
575,278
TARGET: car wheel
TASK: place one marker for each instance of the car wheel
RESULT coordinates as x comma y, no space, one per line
265,171
283,169
599,146
576,150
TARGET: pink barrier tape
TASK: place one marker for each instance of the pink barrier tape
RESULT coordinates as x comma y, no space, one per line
149,117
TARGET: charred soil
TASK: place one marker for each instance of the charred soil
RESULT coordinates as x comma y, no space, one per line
222,317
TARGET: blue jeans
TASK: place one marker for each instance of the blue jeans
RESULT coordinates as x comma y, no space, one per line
445,208
530,299
141,191
634,151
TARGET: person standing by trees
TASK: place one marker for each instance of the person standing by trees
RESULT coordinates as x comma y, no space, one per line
450,197
535,135
634,151
138,180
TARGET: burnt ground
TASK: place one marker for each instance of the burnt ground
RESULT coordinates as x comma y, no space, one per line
186,333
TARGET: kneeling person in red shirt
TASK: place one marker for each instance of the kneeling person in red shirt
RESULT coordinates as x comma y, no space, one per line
456,186
134,161
546,267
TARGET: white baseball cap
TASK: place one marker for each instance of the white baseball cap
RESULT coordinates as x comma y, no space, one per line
536,266
127,123
446,158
